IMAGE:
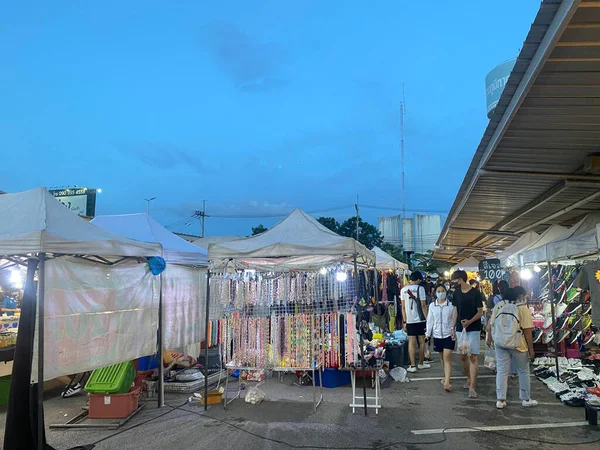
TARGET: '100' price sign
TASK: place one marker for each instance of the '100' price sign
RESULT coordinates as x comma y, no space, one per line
490,269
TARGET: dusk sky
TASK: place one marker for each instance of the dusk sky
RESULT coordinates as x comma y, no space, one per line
256,106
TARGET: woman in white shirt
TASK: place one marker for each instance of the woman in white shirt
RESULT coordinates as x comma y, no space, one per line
441,323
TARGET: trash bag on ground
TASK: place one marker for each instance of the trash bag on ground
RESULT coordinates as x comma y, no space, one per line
464,346
490,357
398,374
254,396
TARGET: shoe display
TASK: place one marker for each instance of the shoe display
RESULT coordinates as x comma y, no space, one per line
562,335
586,322
572,294
588,337
586,308
572,307
574,336
562,322
574,321
529,403
548,336
547,323
560,309
537,334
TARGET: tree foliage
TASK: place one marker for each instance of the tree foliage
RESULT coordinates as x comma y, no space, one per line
425,262
329,222
397,251
258,229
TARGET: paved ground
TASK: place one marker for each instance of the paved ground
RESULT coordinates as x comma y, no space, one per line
286,420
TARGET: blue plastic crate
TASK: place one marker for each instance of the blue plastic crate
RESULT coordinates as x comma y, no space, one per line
333,378
147,363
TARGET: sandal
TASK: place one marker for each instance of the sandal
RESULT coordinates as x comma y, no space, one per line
472,394
448,388
467,385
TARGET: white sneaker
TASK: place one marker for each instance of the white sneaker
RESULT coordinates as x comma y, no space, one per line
424,366
529,403
501,405
412,369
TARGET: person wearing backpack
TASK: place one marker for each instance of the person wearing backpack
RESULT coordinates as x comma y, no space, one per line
414,315
510,329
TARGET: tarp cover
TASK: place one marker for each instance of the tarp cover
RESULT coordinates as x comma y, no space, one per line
582,242
96,315
510,256
298,235
206,241
470,265
531,254
386,261
142,227
34,221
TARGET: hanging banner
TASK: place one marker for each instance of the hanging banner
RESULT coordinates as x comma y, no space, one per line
96,315
490,269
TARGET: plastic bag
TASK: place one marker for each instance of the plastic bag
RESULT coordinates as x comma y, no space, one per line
399,374
464,346
490,357
382,375
254,396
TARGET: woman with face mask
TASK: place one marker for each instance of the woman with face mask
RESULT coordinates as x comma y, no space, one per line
441,325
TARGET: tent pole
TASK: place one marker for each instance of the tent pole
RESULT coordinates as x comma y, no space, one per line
161,343
555,337
362,350
206,340
40,386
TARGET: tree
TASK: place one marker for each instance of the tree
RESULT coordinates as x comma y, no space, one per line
425,262
397,251
329,222
368,235
259,229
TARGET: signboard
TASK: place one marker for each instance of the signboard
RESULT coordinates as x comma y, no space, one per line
490,269
79,200
495,81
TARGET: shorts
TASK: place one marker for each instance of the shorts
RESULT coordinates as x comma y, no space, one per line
439,345
474,338
416,329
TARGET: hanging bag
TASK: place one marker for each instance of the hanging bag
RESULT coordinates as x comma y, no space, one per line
490,357
417,300
464,346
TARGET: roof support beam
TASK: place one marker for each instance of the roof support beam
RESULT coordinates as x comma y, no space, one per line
561,19
559,213
488,232
571,177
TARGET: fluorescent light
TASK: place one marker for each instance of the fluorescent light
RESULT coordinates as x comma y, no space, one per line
15,278
323,271
537,269
341,276
526,274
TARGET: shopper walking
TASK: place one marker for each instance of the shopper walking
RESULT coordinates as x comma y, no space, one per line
469,307
510,329
441,322
414,314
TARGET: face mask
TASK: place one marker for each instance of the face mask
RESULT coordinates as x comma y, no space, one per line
448,286
441,295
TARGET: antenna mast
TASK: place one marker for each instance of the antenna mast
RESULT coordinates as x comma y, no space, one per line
402,111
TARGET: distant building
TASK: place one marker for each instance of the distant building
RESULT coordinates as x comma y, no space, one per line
415,234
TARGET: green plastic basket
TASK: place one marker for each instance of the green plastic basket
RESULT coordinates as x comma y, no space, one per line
115,379
4,389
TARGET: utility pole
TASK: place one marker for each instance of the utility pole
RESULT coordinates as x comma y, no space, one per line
357,218
148,200
202,215
402,111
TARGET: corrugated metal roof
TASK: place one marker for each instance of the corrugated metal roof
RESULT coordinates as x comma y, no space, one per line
527,172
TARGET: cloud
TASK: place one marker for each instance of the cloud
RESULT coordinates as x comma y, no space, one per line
164,155
254,66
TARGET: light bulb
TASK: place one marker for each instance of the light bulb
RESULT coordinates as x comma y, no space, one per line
341,276
446,273
537,269
323,271
526,274
15,278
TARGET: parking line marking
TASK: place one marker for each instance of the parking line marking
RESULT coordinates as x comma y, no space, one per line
500,428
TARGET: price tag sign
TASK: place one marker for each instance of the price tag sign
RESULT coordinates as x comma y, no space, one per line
490,269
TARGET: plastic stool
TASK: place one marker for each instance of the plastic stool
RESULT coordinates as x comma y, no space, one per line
591,414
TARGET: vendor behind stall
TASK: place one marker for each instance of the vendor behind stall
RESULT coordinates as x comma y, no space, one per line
10,305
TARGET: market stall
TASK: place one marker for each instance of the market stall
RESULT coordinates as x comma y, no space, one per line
88,280
287,298
182,284
510,256
469,265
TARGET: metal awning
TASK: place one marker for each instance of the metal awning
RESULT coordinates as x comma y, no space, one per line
529,170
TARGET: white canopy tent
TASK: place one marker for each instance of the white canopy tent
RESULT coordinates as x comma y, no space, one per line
206,241
470,265
386,261
297,242
552,233
77,292
581,243
510,256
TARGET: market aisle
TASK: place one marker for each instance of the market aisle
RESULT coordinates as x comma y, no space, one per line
287,417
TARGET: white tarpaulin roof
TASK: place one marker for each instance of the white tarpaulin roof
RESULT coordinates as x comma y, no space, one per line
470,265
142,227
551,234
298,235
387,261
34,221
206,241
582,242
510,256
541,253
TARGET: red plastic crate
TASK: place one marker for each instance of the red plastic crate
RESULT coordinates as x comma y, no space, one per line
114,406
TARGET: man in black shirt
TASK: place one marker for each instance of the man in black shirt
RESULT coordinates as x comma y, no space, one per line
469,306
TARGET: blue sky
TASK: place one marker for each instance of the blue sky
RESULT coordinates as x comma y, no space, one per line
257,107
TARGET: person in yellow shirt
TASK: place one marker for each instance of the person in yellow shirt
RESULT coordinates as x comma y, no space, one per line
520,353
